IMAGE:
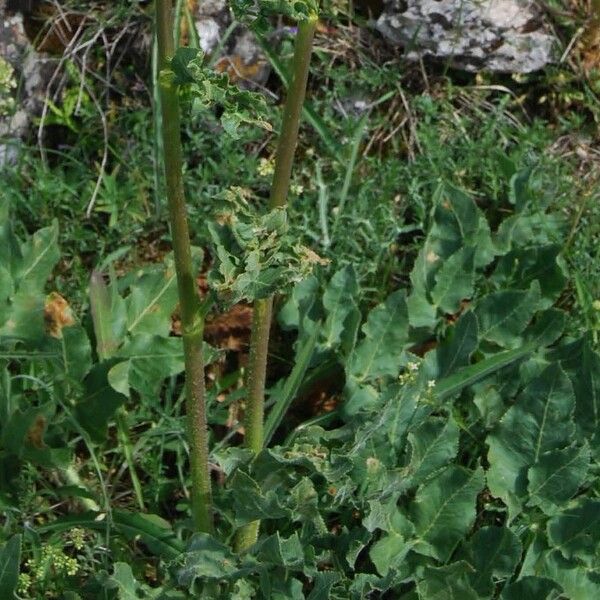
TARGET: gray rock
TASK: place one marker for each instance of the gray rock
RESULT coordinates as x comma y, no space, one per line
33,72
475,35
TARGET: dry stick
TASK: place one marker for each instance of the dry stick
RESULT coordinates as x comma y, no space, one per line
261,320
192,322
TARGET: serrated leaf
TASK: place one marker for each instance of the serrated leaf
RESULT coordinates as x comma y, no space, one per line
250,503
454,280
207,558
534,588
39,255
149,359
339,301
502,316
577,581
433,445
455,351
459,222
180,61
557,475
391,549
283,552
540,421
99,401
494,553
576,531
76,352
124,581
108,316
450,582
322,586
547,328
23,436
386,333
10,558
521,267
301,305
586,383
420,310
444,510
151,302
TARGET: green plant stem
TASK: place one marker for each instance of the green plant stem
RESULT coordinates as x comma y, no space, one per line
192,322
261,320
288,139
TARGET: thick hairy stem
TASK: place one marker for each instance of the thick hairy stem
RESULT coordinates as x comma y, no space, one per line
288,139
191,318
261,320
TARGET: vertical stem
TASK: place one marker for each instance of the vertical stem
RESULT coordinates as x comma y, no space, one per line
192,323
261,320
288,139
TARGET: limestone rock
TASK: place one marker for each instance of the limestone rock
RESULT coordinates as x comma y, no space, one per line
33,71
475,35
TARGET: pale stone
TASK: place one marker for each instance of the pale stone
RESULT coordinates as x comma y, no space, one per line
494,35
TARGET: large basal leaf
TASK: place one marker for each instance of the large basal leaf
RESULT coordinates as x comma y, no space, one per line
557,475
421,312
458,243
75,352
539,422
520,268
579,582
455,351
23,279
149,359
586,382
10,558
151,302
109,315
207,558
251,503
454,281
503,316
99,401
575,533
390,550
385,335
458,222
494,553
23,437
339,301
128,588
446,583
534,588
444,510
39,255
283,552
433,445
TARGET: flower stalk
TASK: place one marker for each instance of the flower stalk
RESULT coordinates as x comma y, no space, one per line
192,320
263,308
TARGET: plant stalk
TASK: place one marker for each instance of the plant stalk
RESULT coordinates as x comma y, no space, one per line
192,322
261,320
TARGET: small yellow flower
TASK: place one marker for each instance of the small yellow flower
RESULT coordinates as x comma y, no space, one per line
266,167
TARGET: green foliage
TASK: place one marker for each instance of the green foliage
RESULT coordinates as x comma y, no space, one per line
204,89
255,255
461,458
10,556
